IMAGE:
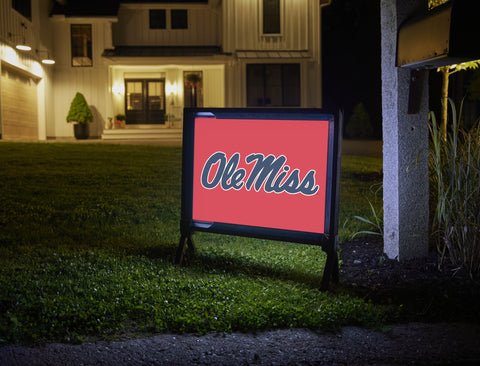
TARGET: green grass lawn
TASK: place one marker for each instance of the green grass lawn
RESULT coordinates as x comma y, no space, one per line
88,234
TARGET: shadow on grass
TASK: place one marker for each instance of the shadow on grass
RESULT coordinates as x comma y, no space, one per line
214,262
240,265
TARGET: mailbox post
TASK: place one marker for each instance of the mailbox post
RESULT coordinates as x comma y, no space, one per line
441,37
404,136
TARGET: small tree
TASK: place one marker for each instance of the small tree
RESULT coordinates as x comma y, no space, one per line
79,110
359,125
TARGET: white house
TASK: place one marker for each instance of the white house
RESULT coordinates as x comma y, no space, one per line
147,60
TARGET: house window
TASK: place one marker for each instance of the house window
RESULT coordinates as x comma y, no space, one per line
179,19
158,19
81,45
271,17
192,89
24,7
273,85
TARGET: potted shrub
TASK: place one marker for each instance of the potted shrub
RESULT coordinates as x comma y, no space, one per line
81,115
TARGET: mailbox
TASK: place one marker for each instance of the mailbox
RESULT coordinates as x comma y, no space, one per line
446,35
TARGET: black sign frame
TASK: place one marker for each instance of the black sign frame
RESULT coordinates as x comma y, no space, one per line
327,240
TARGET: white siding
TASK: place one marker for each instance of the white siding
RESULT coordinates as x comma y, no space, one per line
36,31
243,31
37,34
301,24
92,81
214,87
235,25
133,28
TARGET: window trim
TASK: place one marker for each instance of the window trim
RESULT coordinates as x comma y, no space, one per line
282,20
71,44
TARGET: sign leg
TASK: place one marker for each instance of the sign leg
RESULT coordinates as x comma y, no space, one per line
185,241
331,271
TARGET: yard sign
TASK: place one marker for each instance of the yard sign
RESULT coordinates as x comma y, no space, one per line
265,173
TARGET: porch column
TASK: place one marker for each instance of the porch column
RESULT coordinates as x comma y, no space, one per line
405,138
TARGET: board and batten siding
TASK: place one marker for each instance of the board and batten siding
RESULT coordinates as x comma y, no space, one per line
31,121
133,28
91,81
214,87
243,26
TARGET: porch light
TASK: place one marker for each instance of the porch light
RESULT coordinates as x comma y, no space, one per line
172,88
23,47
48,61
118,89
22,44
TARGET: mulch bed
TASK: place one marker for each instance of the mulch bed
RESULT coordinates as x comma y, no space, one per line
425,292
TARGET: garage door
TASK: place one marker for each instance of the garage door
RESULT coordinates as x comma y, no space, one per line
19,105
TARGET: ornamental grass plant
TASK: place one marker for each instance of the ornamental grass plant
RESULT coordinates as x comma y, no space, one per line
88,235
455,185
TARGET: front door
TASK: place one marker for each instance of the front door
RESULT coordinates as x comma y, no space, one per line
145,101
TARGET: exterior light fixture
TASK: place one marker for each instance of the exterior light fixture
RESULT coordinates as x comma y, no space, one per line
118,89
172,88
46,60
22,45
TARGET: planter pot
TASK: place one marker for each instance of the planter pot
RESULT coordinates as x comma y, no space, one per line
81,131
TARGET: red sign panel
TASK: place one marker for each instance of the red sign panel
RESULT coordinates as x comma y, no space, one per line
258,172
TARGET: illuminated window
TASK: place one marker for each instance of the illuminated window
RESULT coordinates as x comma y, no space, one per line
192,89
145,101
81,45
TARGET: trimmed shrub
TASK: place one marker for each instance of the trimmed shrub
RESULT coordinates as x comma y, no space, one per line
79,110
359,125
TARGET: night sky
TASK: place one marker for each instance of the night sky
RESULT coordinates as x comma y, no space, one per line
351,58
